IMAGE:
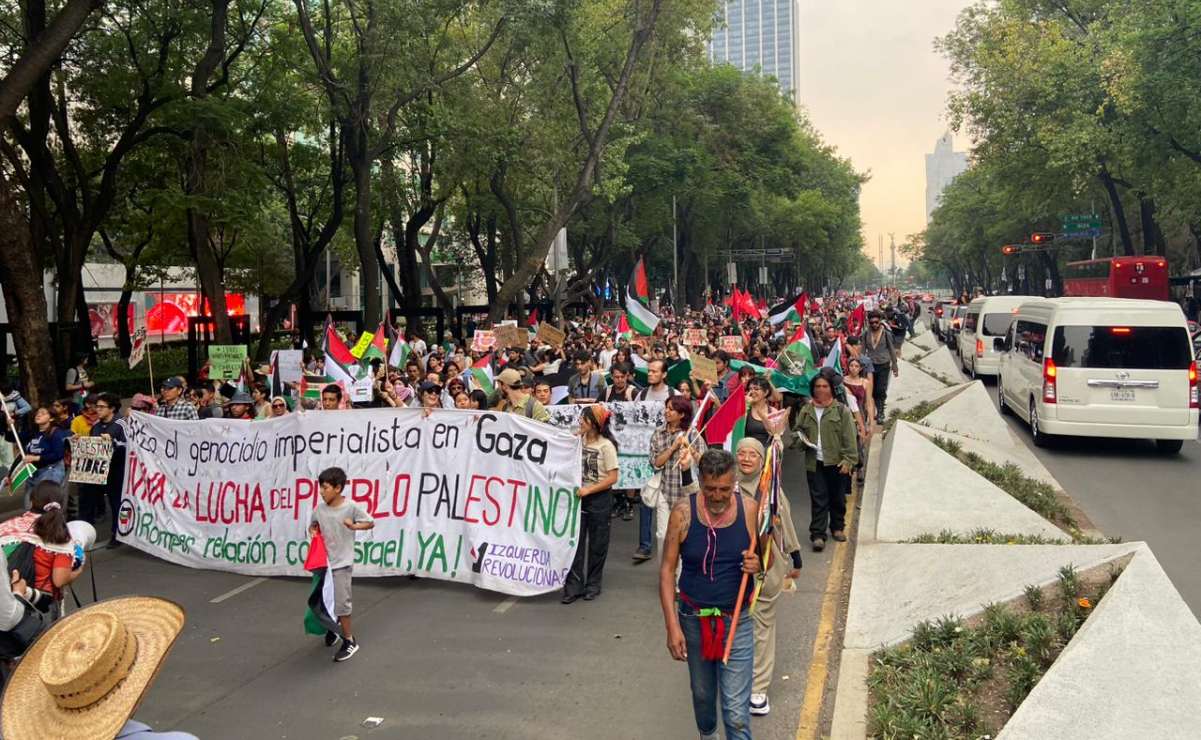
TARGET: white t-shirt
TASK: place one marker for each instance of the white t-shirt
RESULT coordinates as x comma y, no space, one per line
606,358
818,411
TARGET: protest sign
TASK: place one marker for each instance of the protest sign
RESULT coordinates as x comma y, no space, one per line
139,348
361,346
512,336
483,340
695,337
632,424
291,364
90,458
472,497
550,334
731,343
704,368
226,361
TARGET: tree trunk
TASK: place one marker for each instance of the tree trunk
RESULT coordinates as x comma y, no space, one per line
21,276
1153,241
369,265
529,263
35,61
1119,213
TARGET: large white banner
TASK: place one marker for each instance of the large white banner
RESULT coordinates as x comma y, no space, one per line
469,496
632,424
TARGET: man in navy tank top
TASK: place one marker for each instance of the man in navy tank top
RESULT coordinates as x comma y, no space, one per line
711,535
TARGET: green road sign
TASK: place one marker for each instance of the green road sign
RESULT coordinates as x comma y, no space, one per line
1078,223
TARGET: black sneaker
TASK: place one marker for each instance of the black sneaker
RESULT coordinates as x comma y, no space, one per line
330,638
349,648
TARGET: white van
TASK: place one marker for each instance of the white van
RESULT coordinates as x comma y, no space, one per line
1101,367
987,318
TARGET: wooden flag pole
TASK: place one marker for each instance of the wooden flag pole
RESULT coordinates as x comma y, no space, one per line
150,365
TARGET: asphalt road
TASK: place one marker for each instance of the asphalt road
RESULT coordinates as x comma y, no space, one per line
443,660
1129,490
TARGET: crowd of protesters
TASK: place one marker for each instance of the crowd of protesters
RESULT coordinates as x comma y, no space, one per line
701,521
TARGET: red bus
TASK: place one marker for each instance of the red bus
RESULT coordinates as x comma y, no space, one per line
1118,277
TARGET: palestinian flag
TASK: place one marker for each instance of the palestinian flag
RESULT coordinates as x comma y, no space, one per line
340,364
641,319
728,425
834,359
785,382
20,475
623,328
797,356
277,382
706,407
378,348
793,310
319,615
311,386
856,320
398,349
481,374
678,373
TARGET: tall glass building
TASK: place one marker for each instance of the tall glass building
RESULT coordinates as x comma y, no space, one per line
758,35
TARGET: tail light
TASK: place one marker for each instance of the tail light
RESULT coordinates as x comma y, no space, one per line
1193,400
938,311
1049,374
979,348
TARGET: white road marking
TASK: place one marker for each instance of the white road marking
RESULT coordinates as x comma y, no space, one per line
235,591
505,605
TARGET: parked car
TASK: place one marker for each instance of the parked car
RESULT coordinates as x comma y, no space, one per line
1100,367
955,324
985,319
941,318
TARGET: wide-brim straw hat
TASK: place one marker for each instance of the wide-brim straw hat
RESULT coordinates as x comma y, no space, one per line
85,676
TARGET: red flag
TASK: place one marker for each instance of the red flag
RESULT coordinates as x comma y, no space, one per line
533,317
855,320
748,305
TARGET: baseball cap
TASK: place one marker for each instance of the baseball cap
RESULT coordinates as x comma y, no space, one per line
510,377
172,382
429,385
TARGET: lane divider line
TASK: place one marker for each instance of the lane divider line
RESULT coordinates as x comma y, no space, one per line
235,591
505,605
809,724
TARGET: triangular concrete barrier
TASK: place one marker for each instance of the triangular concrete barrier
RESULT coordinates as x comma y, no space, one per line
942,362
936,395
927,491
911,351
911,381
1018,454
896,586
973,413
1132,670
925,340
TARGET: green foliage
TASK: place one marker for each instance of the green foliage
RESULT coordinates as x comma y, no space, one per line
937,683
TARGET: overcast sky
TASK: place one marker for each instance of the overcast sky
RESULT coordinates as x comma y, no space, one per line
876,89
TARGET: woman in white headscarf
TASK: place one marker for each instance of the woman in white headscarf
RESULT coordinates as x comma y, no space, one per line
785,564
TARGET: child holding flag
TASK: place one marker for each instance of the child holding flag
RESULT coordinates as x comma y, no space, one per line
336,519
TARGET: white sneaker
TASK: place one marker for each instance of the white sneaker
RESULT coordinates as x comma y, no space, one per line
759,705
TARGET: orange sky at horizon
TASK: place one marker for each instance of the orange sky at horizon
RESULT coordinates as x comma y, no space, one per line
875,88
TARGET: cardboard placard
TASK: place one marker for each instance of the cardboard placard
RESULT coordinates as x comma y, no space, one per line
512,336
704,368
226,361
731,343
550,334
483,340
695,337
90,458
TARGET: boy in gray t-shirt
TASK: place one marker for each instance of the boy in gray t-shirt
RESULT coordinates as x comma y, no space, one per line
337,518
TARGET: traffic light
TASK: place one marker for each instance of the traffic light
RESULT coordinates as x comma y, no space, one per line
1042,237
1009,249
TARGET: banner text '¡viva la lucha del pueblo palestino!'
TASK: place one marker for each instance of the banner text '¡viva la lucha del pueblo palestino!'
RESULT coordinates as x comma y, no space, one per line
476,497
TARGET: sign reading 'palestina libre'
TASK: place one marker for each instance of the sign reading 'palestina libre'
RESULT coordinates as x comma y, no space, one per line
468,496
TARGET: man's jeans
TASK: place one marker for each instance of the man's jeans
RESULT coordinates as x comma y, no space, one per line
733,678
646,527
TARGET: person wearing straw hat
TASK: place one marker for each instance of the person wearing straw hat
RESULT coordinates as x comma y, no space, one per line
598,476
84,677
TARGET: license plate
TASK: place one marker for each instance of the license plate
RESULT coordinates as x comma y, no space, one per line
1122,394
